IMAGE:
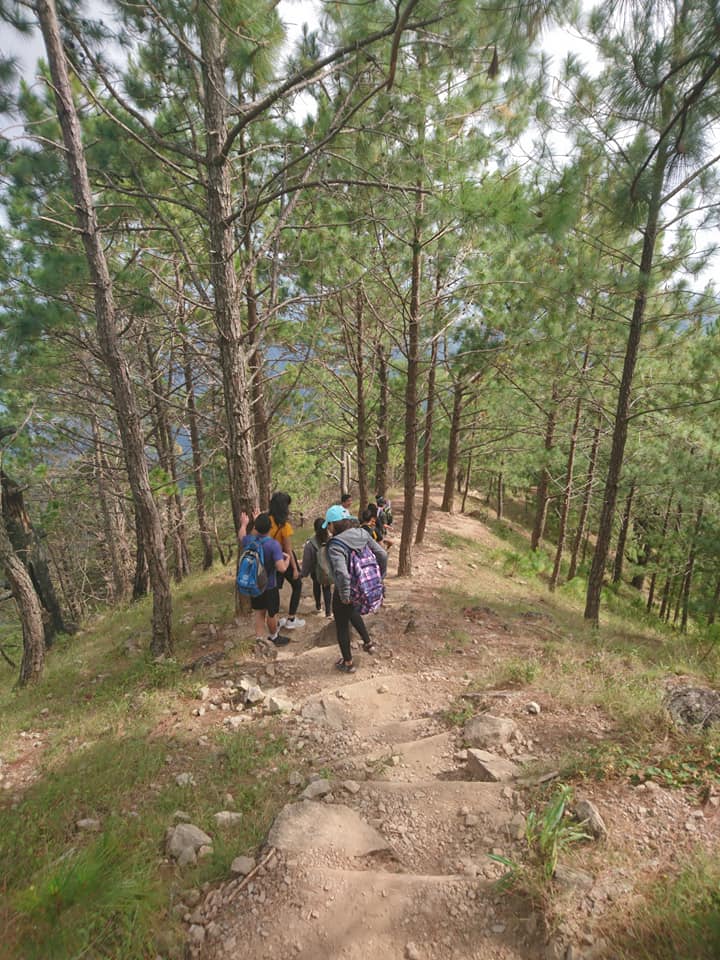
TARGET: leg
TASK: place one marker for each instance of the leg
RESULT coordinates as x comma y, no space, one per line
327,599
342,627
316,593
357,621
259,623
296,588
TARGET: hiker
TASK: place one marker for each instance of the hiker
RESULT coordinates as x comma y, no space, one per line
282,531
346,501
316,565
367,522
344,540
383,520
275,561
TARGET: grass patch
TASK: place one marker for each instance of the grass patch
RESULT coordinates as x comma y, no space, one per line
679,916
458,713
514,672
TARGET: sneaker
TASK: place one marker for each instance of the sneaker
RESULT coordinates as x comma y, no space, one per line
291,624
279,641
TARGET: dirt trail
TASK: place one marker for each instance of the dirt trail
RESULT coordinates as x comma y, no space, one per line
392,862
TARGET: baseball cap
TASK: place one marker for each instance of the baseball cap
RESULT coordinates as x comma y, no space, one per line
335,513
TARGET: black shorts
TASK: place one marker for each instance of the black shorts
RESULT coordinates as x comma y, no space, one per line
268,601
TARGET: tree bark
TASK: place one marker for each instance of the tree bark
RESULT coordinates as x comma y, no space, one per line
452,471
623,535
361,429
113,536
241,457
205,536
411,398
29,607
585,508
689,570
569,480
500,495
382,458
620,431
123,392
426,444
543,497
653,579
29,549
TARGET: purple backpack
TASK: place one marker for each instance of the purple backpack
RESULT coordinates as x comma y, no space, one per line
366,586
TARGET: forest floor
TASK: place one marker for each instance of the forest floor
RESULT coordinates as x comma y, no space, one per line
365,828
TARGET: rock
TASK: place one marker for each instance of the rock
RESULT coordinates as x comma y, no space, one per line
351,786
205,851
196,934
254,695
181,816
242,866
412,952
487,731
460,756
88,824
471,820
185,780
277,704
226,818
300,827
236,721
318,788
191,898
490,768
532,707
184,840
693,707
572,878
295,779
589,816
313,710
383,689
204,693
517,827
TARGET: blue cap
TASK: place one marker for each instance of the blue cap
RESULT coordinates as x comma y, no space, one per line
335,513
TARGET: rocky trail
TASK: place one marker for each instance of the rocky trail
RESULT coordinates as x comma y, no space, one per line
384,847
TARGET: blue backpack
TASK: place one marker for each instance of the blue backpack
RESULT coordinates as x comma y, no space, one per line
252,578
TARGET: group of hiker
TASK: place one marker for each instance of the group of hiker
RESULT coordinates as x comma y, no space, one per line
345,559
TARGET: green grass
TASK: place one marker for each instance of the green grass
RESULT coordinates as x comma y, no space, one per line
113,737
679,917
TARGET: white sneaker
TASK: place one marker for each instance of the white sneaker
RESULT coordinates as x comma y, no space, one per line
291,624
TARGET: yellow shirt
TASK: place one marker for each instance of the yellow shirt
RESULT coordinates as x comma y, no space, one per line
280,533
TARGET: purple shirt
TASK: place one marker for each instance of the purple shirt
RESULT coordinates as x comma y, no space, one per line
272,551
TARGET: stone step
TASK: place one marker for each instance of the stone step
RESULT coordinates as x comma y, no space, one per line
336,914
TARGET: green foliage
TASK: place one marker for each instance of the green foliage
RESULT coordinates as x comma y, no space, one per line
548,833
517,671
678,916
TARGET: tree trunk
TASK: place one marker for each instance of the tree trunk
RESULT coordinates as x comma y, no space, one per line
623,535
714,604
543,497
585,508
241,456
28,603
426,445
382,458
452,470
411,398
620,431
360,374
689,570
113,536
123,393
205,536
30,550
500,495
653,579
568,489
141,580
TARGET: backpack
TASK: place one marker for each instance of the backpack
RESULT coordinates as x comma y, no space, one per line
366,586
387,515
323,573
252,577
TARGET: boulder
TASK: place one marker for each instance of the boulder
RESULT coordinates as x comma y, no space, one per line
183,842
693,707
278,704
301,827
487,731
488,767
589,816
318,788
242,866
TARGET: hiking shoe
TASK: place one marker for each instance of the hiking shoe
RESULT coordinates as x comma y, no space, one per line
279,641
291,624
345,667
